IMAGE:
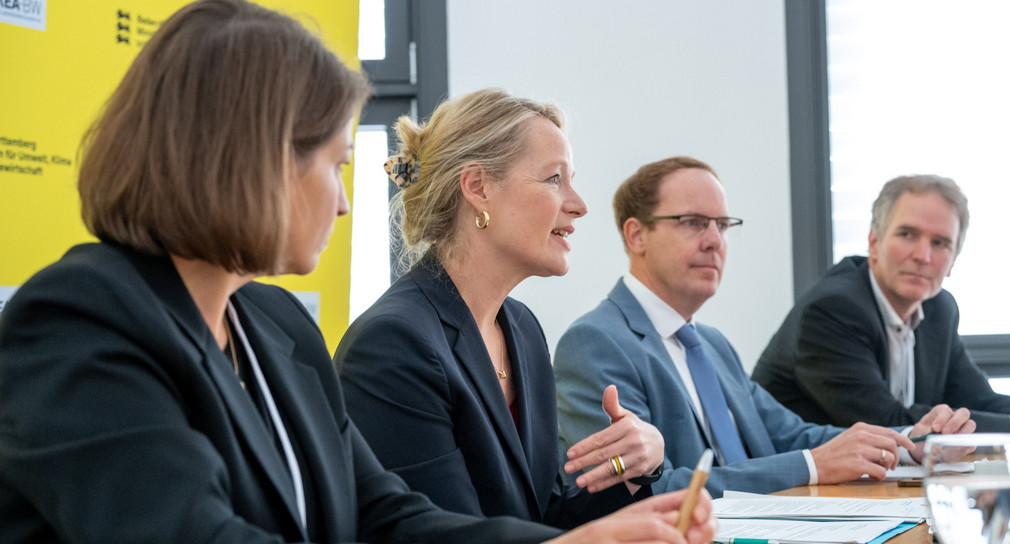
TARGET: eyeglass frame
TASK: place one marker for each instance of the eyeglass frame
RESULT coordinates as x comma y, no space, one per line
732,221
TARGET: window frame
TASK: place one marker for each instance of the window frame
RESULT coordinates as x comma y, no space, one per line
412,79
810,167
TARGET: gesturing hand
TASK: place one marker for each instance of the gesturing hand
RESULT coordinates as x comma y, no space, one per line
639,445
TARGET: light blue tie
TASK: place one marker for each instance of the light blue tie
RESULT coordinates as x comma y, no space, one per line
712,400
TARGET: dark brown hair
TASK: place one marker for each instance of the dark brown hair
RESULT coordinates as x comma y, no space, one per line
638,196
191,154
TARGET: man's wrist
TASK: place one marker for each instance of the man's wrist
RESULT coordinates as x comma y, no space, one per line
811,466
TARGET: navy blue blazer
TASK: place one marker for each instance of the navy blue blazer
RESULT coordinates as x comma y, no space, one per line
422,389
616,344
122,421
829,360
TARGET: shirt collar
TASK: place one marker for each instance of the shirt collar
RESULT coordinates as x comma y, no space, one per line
664,319
891,318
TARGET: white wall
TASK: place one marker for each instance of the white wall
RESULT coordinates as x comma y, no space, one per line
643,80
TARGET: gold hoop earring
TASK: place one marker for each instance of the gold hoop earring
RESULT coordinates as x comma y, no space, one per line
487,220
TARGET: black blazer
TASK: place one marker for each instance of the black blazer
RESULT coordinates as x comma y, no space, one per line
829,361
122,421
423,391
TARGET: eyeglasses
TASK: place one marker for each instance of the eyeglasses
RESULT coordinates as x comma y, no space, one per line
697,223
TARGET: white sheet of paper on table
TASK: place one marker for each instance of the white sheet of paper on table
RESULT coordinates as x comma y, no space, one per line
789,531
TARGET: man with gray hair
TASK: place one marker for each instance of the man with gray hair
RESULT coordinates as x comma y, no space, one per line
875,339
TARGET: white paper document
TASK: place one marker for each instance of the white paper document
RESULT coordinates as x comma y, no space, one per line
903,472
793,531
906,472
769,506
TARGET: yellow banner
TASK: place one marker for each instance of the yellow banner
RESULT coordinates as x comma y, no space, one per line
62,60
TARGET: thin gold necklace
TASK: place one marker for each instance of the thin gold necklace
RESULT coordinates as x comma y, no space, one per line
501,353
231,349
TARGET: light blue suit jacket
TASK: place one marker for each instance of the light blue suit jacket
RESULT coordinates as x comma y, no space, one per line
617,344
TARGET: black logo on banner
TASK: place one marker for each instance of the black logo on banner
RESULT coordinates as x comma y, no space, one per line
123,28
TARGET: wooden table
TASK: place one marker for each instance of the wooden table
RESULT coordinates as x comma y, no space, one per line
869,490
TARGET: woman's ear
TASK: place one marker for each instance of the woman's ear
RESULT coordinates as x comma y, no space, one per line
473,182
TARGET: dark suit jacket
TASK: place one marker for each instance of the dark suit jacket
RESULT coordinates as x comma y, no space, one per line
423,391
829,360
617,344
122,421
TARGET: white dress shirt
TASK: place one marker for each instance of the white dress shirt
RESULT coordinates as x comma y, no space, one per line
900,347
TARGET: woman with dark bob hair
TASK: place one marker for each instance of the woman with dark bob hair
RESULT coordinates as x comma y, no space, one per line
149,390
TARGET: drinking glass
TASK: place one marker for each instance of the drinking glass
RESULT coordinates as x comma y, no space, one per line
968,487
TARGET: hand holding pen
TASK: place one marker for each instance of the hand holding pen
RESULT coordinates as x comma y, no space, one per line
694,490
941,419
654,519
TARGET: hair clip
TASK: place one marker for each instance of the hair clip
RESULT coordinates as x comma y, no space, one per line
403,170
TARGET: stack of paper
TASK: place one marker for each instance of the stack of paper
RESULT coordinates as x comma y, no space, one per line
905,472
813,519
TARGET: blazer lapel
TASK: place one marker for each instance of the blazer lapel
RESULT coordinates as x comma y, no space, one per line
527,429
249,425
928,389
299,396
879,327
468,347
652,343
472,355
166,284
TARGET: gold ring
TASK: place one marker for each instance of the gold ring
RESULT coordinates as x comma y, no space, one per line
617,463
883,456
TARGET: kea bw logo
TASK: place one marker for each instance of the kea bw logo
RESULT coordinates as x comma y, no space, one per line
26,13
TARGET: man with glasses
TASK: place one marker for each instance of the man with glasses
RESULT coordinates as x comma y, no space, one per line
875,339
686,378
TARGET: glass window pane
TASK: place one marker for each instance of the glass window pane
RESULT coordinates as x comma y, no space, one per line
1000,385
917,87
372,30
369,220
